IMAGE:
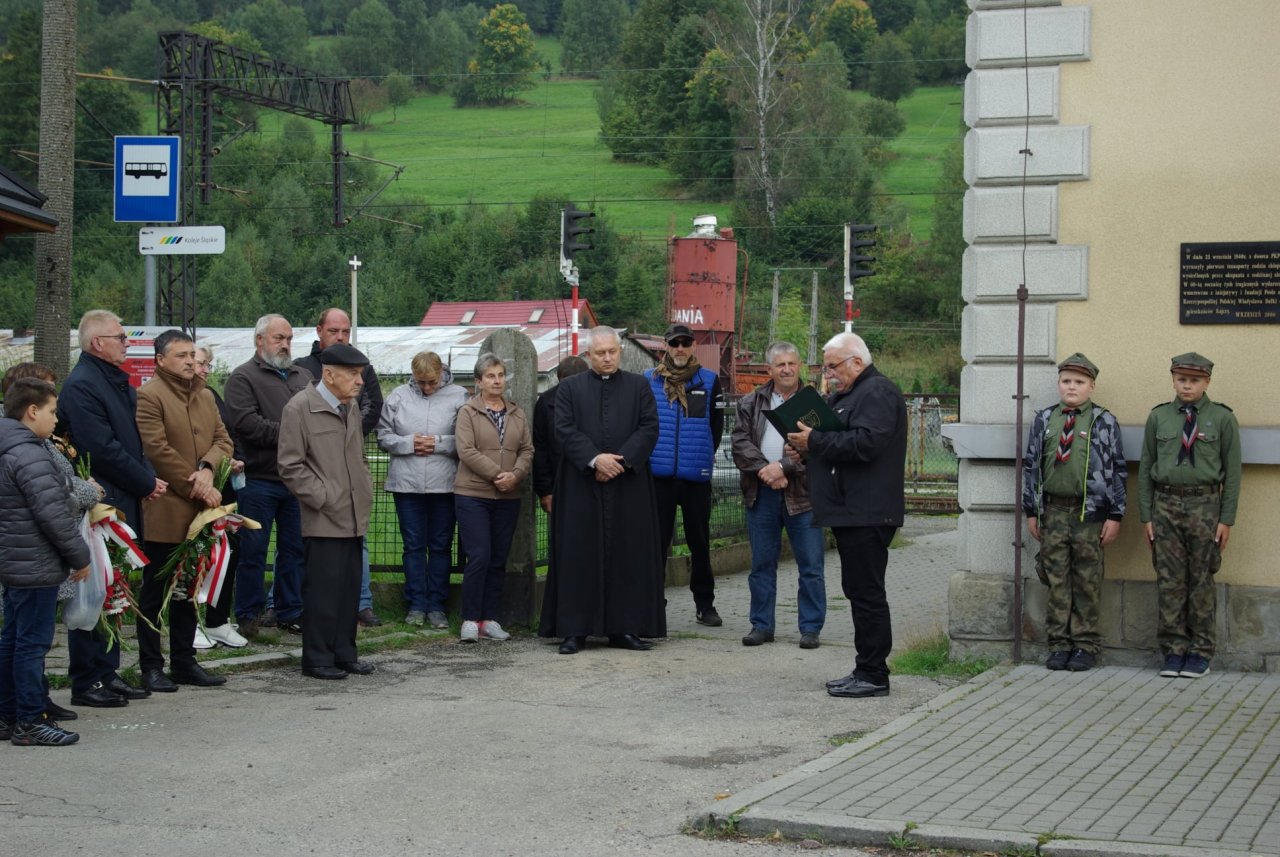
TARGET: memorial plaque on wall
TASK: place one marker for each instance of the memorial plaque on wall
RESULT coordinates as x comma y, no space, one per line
1230,283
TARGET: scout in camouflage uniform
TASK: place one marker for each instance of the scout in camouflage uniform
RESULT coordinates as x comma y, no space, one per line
1073,497
1188,488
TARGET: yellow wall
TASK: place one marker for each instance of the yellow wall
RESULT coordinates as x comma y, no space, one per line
1183,99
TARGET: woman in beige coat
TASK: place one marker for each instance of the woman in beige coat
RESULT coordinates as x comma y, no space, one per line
495,455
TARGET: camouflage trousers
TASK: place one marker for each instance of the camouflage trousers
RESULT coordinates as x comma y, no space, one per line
1186,558
1071,554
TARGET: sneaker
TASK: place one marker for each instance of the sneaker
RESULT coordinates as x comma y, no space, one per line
1057,660
709,617
491,629
1194,666
6,729
202,641
41,733
416,618
368,618
1172,666
1080,661
438,619
226,635
470,632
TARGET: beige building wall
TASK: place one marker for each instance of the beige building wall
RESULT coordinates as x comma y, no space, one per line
1185,148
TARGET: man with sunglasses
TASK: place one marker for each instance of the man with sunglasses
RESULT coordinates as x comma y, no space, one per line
690,425
856,485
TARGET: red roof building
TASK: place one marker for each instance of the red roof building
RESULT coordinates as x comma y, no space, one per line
542,314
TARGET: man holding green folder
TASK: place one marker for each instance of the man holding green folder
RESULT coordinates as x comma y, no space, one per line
856,487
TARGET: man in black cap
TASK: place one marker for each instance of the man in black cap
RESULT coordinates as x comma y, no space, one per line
321,459
690,425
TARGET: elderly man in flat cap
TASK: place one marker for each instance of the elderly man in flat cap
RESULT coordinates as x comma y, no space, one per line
322,462
1188,488
1073,496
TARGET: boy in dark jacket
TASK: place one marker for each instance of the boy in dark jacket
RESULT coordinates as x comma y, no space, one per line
39,539
1073,497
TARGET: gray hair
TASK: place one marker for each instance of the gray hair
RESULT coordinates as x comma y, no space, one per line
208,351
485,362
605,331
852,343
779,347
93,321
260,329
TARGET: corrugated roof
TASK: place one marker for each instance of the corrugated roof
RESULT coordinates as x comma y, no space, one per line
21,206
541,313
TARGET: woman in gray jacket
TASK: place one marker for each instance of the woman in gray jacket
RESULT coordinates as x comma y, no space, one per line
417,430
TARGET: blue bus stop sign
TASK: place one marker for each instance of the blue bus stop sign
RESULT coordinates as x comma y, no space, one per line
146,179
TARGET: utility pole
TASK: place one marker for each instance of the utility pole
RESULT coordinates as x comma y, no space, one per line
57,182
355,264
813,320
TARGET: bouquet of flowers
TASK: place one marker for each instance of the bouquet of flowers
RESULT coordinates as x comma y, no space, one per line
121,553
197,568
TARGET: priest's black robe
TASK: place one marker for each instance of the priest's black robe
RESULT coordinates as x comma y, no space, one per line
607,565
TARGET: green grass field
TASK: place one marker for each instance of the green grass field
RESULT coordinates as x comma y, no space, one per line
549,144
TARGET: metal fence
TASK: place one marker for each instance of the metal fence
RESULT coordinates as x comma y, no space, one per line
931,482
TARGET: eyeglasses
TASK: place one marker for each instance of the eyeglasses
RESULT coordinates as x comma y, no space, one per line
682,342
204,364
831,367
118,337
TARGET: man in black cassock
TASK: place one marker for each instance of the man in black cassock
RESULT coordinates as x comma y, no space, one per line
607,568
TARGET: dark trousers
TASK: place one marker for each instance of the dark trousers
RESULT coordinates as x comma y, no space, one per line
864,556
485,528
330,600
24,642
90,661
182,615
694,500
216,615
266,502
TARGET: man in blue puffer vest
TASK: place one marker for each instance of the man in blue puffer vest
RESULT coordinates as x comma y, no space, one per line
690,423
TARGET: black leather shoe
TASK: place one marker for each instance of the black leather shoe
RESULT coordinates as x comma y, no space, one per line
630,642
836,682
573,645
355,667
289,626
54,711
1057,660
857,688
326,673
157,682
809,640
196,675
120,687
98,696
1080,661
757,637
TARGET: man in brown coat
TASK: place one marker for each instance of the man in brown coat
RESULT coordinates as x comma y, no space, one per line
184,439
321,461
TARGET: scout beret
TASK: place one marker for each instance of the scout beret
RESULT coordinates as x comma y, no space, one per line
1079,363
343,355
1192,363
676,331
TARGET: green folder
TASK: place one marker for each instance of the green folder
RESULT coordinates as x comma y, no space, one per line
806,406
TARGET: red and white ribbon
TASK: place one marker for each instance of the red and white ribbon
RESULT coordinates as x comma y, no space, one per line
111,529
219,557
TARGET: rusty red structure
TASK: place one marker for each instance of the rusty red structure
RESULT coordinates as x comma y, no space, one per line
702,292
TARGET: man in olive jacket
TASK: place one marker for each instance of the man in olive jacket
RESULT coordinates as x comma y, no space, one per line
321,461
184,439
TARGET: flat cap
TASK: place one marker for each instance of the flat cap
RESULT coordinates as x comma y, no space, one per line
1192,363
343,355
1079,363
676,331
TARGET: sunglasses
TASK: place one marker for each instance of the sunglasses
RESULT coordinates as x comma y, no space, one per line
682,342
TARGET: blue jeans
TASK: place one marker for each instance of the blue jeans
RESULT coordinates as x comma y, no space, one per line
765,522
366,594
485,527
426,528
24,641
266,502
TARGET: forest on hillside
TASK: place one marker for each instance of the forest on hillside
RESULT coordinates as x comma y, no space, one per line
783,113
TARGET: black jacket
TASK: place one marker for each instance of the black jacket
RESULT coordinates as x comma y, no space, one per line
39,528
98,408
856,475
370,394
